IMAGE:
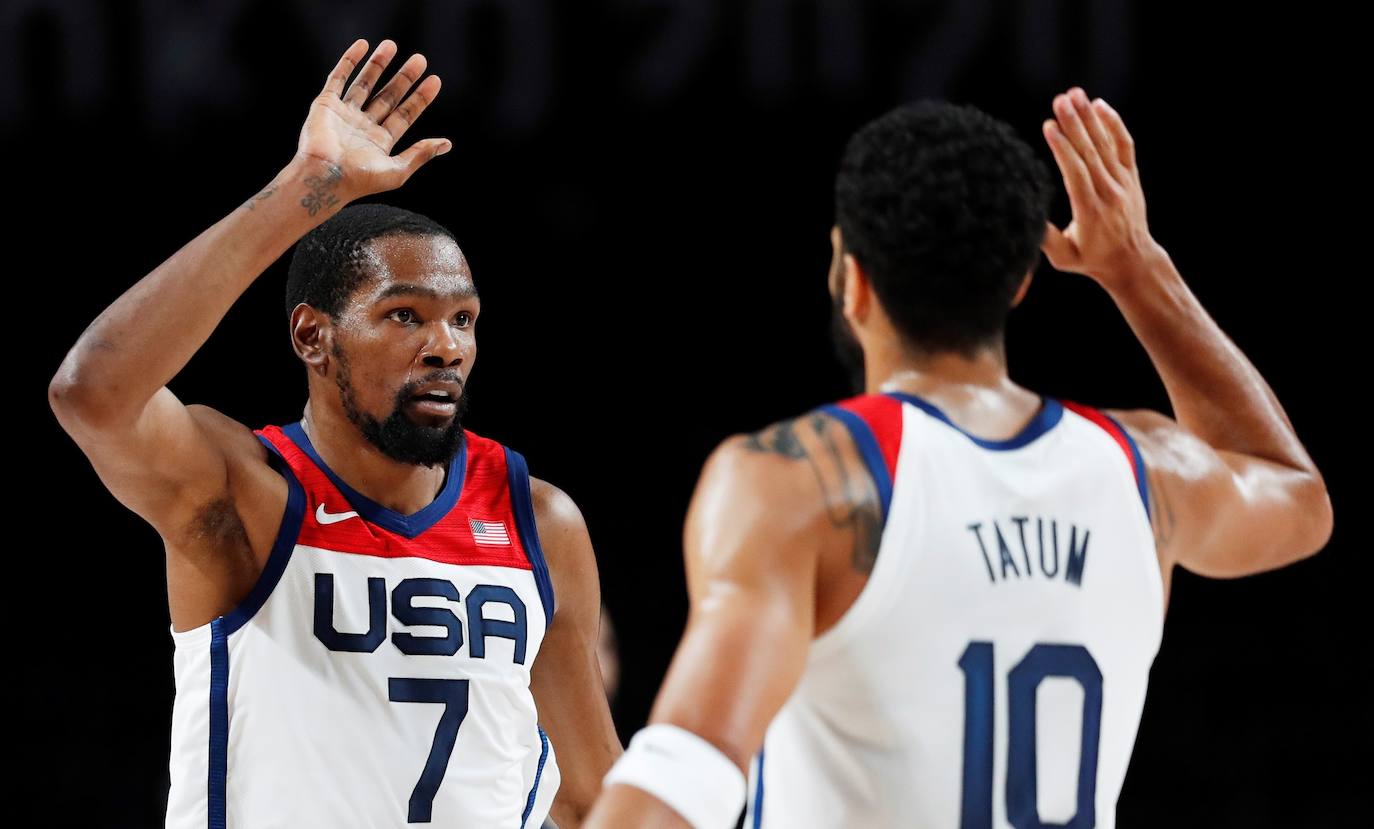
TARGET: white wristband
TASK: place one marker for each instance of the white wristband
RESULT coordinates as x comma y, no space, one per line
684,771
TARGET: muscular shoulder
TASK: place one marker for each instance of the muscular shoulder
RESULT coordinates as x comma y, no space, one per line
1168,450
556,514
567,547
1144,424
1181,471
800,481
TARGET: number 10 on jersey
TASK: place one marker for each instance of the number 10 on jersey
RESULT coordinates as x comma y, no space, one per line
1042,661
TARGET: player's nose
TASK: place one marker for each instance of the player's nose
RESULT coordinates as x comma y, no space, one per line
446,347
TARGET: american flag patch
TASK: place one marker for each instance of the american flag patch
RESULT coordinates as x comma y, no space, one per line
490,533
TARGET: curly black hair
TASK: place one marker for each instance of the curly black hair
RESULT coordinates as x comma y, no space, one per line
945,209
329,263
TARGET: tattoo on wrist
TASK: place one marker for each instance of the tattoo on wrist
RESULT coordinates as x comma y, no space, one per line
259,198
320,196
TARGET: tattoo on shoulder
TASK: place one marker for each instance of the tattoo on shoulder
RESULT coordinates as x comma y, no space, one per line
851,498
321,187
780,438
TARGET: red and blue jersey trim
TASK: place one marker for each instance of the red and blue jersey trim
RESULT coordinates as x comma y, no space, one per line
1124,440
875,423
1051,412
538,775
478,489
408,526
522,504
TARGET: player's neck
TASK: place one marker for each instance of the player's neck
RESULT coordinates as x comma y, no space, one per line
945,378
897,366
401,487
973,391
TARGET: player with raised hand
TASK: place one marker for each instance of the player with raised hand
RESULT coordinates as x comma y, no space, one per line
936,604
363,602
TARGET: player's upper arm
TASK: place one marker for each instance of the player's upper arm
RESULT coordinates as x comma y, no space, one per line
163,462
566,677
1226,514
755,534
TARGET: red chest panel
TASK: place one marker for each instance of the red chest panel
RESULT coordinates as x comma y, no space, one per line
472,521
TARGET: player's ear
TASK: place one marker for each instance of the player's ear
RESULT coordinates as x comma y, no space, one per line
1025,286
858,291
311,337
835,276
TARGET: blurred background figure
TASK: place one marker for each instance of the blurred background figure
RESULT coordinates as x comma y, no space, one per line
608,656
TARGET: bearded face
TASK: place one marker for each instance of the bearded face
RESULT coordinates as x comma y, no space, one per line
407,435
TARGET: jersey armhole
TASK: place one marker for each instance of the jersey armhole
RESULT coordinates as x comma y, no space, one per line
1137,464
285,542
1123,439
522,505
876,423
867,444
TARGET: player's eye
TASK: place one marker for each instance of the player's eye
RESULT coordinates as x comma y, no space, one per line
402,315
464,319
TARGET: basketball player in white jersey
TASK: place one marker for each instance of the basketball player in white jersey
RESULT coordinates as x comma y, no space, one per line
936,604
368,604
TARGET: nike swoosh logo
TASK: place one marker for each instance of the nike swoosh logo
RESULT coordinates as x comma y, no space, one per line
323,517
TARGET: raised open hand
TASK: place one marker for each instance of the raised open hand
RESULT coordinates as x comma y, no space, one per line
1096,155
354,136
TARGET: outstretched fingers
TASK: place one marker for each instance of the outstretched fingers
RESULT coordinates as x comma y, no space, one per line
1125,144
410,109
1077,179
385,101
334,84
1102,139
366,81
1075,128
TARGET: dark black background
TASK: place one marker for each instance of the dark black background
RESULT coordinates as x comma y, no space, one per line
643,188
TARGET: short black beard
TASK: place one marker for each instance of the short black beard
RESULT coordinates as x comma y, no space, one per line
398,437
847,348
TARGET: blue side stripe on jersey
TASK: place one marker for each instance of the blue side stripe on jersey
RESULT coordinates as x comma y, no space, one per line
1140,481
219,725
280,556
405,525
868,449
1051,412
758,794
538,773
522,504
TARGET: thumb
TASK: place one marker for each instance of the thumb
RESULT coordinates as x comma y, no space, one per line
421,152
1059,249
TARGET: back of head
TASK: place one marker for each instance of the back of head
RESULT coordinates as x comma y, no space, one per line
944,207
330,262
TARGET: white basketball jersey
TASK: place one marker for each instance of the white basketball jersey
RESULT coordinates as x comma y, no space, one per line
378,674
992,671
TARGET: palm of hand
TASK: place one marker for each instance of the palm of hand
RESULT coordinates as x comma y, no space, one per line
342,135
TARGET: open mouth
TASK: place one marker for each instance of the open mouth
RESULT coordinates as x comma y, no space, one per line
435,403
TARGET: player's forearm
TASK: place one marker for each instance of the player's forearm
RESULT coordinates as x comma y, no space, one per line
623,805
1216,392
142,340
